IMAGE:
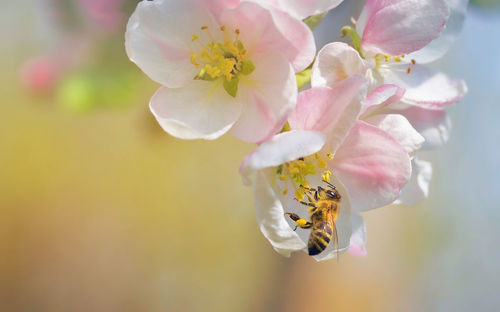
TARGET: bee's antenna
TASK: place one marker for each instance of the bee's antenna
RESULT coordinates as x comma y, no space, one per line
329,184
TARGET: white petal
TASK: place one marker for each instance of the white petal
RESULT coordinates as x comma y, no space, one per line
301,9
400,129
335,62
271,216
418,186
427,88
268,95
433,125
358,237
282,148
200,110
155,41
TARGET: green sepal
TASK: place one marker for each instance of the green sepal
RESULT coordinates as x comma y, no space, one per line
303,78
231,86
356,39
313,21
247,67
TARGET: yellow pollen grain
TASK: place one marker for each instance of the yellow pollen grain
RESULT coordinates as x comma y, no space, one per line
194,37
321,163
329,155
192,58
301,222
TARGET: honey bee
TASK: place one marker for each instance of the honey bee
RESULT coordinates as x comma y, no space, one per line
324,208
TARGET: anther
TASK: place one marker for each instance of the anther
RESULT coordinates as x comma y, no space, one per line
194,37
204,27
223,28
413,61
408,70
237,31
353,21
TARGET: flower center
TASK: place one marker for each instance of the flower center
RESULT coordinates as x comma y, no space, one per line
297,171
385,61
225,59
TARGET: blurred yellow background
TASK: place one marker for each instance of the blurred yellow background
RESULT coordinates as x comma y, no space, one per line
103,211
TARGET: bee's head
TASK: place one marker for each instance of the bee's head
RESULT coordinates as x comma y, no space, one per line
329,193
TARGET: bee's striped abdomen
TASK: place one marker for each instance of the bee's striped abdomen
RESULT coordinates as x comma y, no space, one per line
320,236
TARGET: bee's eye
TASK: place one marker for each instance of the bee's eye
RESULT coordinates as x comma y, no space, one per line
331,194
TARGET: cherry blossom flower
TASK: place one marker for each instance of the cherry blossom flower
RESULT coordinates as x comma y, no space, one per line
386,32
328,143
220,69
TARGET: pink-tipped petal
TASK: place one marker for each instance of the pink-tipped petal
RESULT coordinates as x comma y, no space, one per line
270,94
381,98
358,237
418,186
335,62
199,110
427,88
330,110
155,41
264,30
433,125
400,129
401,26
301,9
439,46
372,165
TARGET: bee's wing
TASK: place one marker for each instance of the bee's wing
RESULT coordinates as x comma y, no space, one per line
335,237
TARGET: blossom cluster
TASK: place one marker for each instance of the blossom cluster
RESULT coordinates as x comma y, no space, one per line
350,118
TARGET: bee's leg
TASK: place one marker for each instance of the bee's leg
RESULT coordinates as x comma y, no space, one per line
312,207
300,222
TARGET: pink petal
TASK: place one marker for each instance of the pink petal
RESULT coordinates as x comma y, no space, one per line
156,43
439,46
400,129
358,237
301,9
330,110
200,110
418,186
268,95
282,148
401,26
427,88
382,97
372,165
433,125
265,30
335,62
